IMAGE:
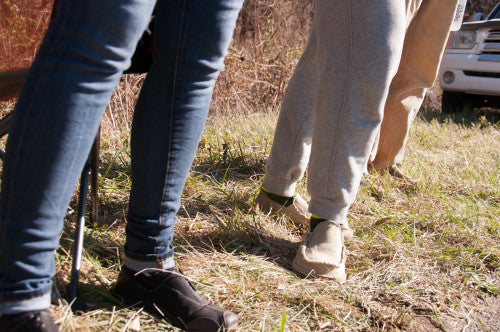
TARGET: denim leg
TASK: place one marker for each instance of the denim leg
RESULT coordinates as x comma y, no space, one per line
191,40
79,63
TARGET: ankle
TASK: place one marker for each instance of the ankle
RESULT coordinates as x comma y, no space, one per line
137,265
315,221
281,200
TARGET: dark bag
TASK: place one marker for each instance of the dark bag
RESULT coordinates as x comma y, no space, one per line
143,56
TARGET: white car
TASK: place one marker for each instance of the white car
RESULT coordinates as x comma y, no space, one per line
470,68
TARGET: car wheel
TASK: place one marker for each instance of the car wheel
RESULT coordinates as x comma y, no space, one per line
455,102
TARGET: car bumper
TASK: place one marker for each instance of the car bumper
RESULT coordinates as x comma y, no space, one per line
472,74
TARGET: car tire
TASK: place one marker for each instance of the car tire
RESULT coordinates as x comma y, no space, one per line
455,102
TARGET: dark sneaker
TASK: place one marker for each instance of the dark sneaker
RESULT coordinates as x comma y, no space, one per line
32,321
170,294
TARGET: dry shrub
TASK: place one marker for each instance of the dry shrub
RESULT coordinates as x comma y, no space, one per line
479,6
22,26
116,122
269,39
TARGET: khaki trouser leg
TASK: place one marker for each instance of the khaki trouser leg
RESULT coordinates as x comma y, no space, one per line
423,48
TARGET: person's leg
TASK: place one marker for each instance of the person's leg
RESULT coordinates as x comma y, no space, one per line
358,54
86,48
291,147
358,49
191,38
424,44
190,41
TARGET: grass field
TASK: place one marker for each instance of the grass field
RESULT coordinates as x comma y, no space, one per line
424,258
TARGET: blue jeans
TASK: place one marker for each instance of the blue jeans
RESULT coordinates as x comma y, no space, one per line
80,61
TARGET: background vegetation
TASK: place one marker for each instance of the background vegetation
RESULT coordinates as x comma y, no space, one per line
425,258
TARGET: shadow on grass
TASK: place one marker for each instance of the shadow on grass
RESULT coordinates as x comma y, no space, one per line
222,169
240,239
468,116
112,169
239,167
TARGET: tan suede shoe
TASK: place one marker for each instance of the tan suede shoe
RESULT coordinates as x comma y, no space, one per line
297,211
395,171
347,231
323,254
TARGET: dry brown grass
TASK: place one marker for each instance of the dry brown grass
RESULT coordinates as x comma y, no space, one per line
268,42
424,258
22,26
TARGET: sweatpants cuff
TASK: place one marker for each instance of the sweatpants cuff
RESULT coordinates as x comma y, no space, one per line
328,210
278,186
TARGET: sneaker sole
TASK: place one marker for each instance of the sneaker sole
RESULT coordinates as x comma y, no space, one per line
337,274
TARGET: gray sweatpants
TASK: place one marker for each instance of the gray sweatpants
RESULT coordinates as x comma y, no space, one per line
335,100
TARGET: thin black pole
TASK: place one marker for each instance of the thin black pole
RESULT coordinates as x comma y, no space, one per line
91,163
94,178
80,227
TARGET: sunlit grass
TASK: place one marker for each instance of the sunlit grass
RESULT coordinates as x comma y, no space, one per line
424,258
422,255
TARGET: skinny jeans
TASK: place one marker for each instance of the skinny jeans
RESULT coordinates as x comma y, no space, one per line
80,61
334,103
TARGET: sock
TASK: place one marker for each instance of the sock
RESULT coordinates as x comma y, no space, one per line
137,265
281,200
314,221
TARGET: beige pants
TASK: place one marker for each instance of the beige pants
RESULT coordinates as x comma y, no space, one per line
427,30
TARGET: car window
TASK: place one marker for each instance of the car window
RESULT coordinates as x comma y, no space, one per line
495,14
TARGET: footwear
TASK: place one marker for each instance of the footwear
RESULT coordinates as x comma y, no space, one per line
375,190
169,293
32,321
297,211
323,254
395,171
347,231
